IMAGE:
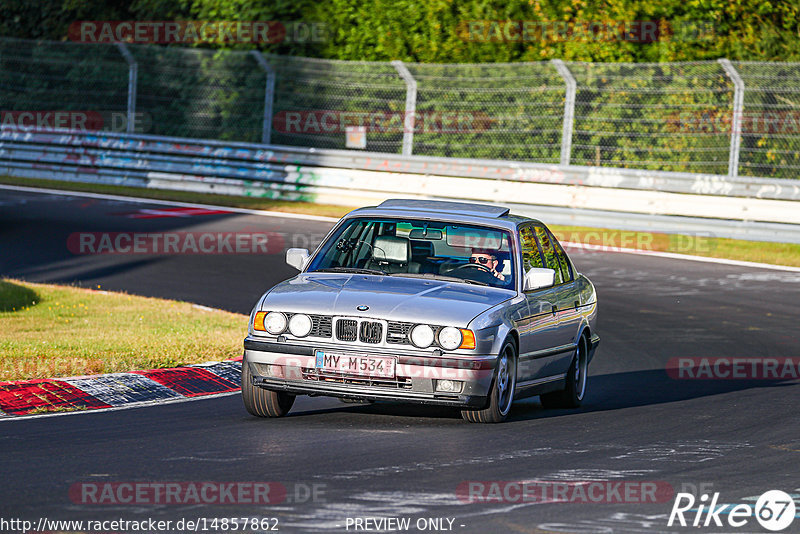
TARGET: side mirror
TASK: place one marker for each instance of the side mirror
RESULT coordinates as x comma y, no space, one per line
297,258
538,278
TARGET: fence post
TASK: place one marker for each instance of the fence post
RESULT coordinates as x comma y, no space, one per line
569,110
736,123
411,106
133,71
269,96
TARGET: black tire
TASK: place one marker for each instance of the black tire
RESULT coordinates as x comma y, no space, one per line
502,391
263,402
577,379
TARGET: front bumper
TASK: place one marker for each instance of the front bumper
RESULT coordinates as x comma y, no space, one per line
415,380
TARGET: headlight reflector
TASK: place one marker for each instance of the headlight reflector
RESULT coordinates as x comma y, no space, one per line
422,336
450,338
300,325
275,323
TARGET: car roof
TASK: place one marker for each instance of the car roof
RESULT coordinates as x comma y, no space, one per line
441,206
465,212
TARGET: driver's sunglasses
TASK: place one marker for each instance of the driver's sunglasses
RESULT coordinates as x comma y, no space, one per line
481,260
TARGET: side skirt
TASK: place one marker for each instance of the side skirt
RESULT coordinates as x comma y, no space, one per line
540,386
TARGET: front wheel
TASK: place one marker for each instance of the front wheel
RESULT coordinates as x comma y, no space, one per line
502,392
262,402
572,395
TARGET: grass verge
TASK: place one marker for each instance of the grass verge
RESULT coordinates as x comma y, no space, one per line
714,247
55,331
698,245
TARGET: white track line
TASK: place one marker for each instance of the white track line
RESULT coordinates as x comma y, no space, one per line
142,200
263,213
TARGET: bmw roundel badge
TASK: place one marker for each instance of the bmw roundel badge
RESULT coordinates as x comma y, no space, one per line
362,308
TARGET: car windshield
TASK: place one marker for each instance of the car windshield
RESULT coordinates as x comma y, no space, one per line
419,248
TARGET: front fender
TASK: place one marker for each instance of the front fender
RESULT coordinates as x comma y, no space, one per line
498,323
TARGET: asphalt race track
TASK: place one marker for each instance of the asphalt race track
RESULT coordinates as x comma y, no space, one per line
736,437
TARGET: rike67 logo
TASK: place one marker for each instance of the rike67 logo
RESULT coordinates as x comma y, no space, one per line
774,510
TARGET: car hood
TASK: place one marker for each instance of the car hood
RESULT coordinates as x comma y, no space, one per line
392,298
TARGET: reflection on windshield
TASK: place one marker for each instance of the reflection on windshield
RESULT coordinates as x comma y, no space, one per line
414,248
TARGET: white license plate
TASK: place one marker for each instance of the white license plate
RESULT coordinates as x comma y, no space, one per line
356,365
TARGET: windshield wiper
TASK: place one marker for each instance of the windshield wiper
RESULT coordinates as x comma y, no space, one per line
474,282
356,270
442,277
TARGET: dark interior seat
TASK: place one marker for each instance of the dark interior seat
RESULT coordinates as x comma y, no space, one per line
421,251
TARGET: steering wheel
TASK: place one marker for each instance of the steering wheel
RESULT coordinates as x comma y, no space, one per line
474,266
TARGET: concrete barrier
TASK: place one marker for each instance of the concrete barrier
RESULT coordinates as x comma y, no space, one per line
753,208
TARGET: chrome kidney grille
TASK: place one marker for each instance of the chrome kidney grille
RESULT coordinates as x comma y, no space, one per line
362,330
370,332
346,329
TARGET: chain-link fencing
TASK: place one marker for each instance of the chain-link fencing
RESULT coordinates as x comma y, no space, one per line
652,116
715,117
770,144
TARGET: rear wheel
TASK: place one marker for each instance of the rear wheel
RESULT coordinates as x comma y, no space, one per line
262,402
577,375
502,392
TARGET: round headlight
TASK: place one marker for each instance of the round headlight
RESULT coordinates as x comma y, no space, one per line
300,325
450,338
422,336
275,323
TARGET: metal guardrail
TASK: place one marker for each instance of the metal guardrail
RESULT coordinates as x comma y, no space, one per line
754,208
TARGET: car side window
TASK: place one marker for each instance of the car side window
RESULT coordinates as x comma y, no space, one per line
531,255
550,254
566,268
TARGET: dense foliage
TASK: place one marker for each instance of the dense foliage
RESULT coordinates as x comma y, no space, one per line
467,59
438,31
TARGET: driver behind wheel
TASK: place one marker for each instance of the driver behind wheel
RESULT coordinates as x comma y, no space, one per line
488,259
